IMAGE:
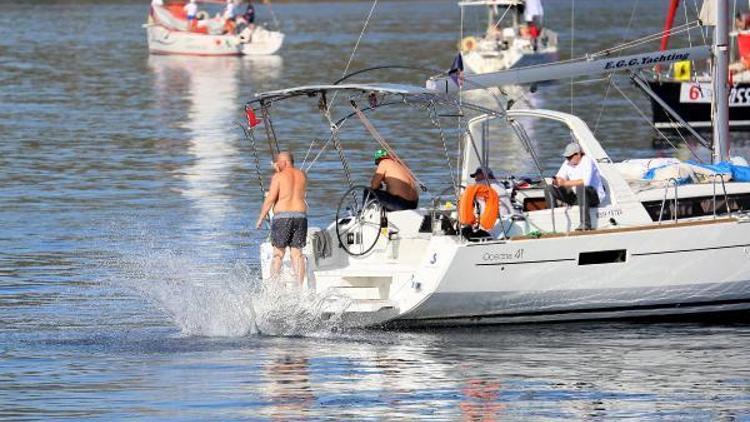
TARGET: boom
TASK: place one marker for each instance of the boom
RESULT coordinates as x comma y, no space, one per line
555,71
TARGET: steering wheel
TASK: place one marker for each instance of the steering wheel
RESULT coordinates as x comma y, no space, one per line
358,220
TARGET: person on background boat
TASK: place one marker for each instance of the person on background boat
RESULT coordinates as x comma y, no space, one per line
249,14
192,10
229,10
286,196
578,182
400,191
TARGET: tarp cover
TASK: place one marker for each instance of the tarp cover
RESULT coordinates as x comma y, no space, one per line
739,173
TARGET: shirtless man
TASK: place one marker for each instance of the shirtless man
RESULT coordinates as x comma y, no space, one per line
289,226
400,187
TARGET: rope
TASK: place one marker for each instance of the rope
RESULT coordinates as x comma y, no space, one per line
354,50
250,136
603,105
270,133
304,160
507,9
643,115
342,158
690,39
703,30
322,149
436,122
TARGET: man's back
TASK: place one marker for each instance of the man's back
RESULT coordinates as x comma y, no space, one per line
397,180
292,187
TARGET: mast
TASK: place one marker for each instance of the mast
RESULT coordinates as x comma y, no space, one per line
720,103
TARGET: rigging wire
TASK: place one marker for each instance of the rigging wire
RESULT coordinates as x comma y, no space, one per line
646,118
354,49
690,38
603,105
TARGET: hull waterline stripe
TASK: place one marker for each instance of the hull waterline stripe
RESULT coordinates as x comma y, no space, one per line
693,305
689,250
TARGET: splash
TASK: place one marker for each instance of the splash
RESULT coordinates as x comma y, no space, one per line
203,300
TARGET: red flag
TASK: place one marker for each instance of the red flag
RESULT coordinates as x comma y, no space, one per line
252,119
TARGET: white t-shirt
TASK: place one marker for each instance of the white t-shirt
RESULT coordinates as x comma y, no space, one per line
229,11
157,2
585,170
191,9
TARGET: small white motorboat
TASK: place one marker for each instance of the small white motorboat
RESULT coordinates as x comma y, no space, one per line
515,36
170,32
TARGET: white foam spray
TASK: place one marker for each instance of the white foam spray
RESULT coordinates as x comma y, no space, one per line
203,300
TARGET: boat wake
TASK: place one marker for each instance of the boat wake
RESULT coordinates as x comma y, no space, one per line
203,300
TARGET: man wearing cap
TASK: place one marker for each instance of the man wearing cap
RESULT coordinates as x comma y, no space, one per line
578,183
400,187
479,176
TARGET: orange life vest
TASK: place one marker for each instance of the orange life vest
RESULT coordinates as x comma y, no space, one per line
466,214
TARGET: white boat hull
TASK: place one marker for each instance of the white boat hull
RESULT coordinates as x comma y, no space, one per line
666,271
162,40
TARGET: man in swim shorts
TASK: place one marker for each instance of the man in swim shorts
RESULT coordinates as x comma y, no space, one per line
289,225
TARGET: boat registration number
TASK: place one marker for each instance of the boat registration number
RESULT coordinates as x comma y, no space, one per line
702,92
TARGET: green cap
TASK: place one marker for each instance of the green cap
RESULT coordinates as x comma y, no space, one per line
381,153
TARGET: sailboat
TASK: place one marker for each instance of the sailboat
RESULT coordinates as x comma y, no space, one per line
515,36
682,94
662,248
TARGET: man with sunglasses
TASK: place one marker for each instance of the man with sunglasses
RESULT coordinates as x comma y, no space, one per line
578,183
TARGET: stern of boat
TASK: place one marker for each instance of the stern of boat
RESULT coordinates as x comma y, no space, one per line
260,41
401,271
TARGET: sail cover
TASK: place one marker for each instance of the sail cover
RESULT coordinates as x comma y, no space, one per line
533,8
708,13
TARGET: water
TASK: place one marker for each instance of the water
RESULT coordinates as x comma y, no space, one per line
128,261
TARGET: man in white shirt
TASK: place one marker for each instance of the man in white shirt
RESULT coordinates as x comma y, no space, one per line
229,11
191,9
578,183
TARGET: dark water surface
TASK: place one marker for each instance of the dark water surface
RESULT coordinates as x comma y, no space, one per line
127,255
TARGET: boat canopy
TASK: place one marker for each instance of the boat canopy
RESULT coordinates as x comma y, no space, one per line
377,88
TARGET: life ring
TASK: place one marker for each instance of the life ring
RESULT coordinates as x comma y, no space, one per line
466,214
202,15
468,43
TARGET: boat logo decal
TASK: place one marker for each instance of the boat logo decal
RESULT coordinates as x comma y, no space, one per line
511,255
433,260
